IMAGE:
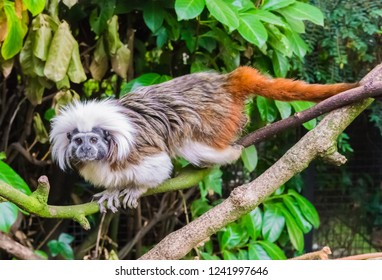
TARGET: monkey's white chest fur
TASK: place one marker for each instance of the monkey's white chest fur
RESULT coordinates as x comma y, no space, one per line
149,173
130,182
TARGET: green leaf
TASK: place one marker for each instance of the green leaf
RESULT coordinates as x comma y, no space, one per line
257,252
162,36
42,254
303,11
65,238
8,215
268,17
212,183
42,38
206,256
242,255
295,233
99,16
2,156
35,6
54,247
299,106
253,222
188,9
66,251
199,207
113,41
173,29
303,224
232,236
273,223
298,45
296,25
60,53
76,72
280,64
276,4
252,29
9,176
249,158
26,56
273,251
16,31
307,208
49,114
208,43
227,255
285,109
223,12
143,80
153,15
100,62
34,90
120,61
199,65
280,43
266,109
61,246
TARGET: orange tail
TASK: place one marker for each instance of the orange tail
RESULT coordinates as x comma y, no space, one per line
246,80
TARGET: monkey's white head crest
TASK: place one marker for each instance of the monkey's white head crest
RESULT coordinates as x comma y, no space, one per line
84,116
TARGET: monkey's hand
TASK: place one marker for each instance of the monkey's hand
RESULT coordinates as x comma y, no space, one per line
112,198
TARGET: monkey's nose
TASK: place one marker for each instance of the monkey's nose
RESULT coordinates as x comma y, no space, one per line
87,148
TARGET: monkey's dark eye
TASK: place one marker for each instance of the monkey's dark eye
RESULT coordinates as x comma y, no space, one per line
93,140
78,141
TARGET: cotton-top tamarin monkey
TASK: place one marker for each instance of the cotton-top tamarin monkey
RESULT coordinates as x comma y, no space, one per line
126,145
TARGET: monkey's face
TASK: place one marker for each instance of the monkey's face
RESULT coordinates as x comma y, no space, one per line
88,146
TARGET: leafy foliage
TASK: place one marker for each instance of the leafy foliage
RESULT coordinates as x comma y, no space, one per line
62,246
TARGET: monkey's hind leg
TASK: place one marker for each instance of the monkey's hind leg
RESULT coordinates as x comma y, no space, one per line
131,196
201,154
112,198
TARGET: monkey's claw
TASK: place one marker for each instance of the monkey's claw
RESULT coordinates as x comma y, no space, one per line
131,196
112,198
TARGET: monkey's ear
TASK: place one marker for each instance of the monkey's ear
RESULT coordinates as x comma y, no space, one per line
107,135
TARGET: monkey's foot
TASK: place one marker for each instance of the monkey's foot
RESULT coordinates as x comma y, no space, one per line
112,198
131,196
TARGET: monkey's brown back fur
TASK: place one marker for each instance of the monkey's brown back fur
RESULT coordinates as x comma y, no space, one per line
207,107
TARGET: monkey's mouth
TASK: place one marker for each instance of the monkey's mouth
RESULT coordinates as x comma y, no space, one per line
85,158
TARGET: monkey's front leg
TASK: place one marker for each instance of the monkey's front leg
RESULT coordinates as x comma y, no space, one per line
112,198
